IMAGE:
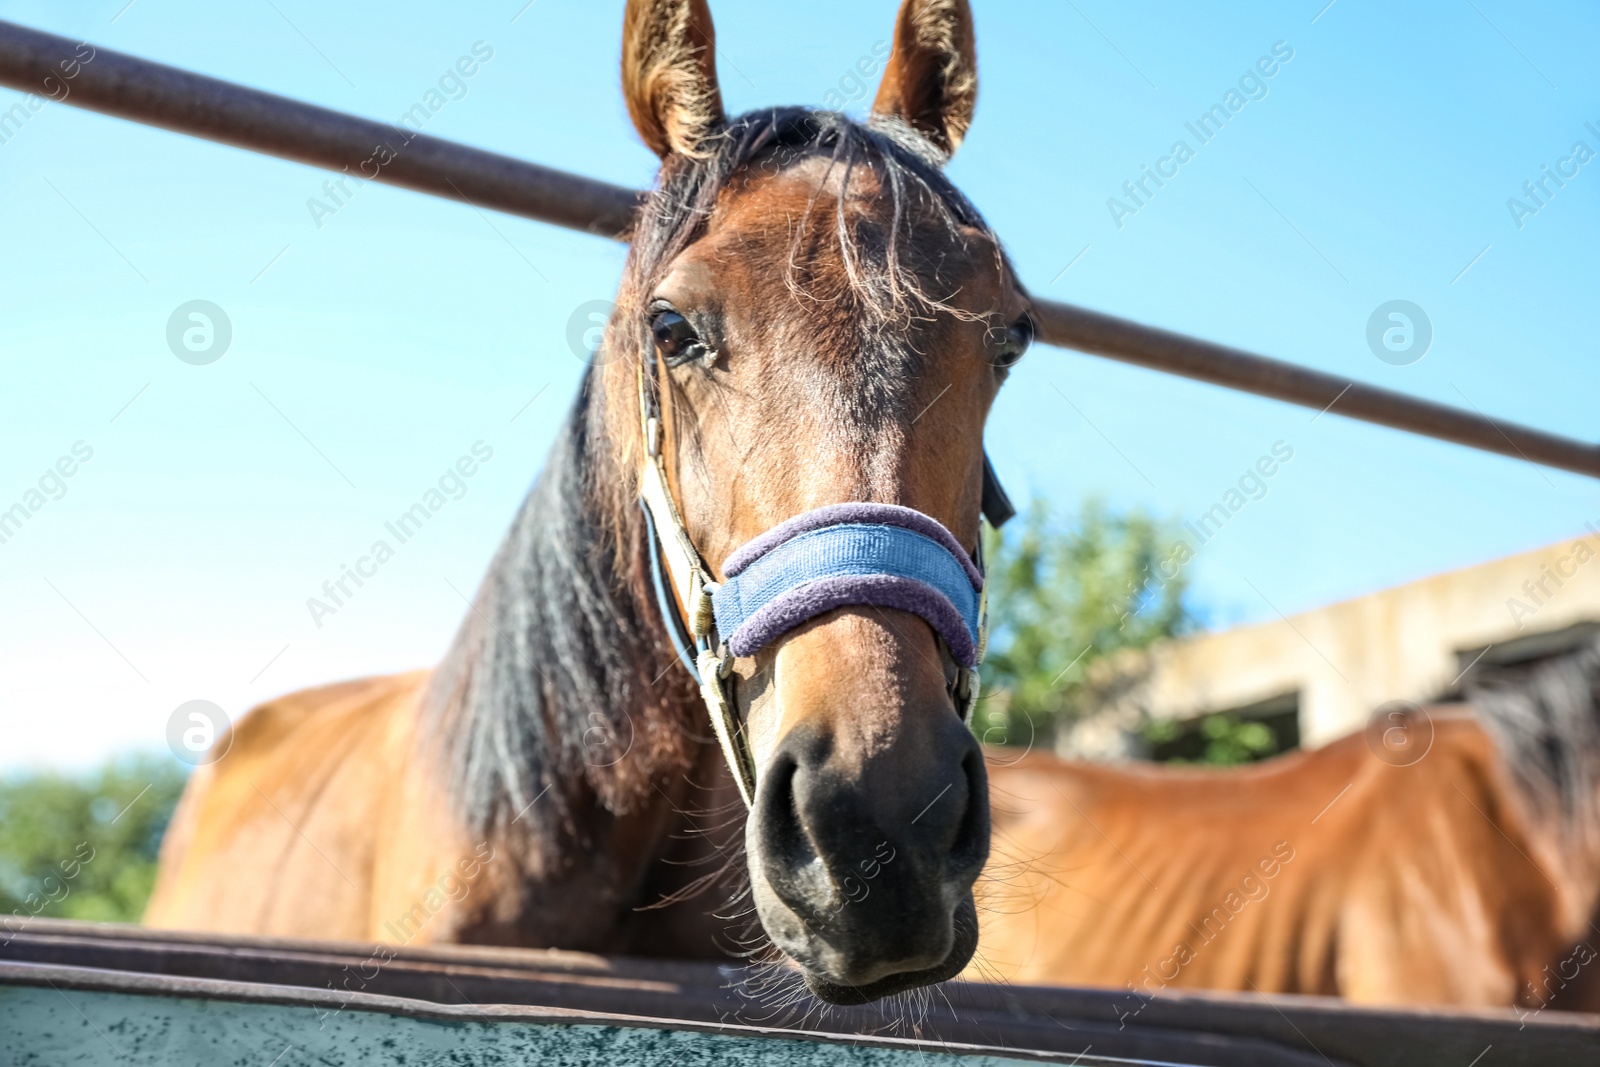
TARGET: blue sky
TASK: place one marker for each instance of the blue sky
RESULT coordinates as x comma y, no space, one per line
370,352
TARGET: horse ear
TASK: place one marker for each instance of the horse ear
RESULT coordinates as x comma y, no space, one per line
931,80
669,74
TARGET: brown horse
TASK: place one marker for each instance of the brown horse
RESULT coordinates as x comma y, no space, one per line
1450,856
820,317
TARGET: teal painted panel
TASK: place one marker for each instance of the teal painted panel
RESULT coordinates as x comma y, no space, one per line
43,1027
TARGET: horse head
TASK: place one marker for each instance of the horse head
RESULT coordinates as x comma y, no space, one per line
812,327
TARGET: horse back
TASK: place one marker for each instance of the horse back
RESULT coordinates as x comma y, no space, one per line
1328,871
276,837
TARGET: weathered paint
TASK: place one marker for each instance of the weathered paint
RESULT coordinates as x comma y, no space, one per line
51,1027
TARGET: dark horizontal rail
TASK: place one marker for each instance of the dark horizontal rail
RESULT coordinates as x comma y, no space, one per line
1178,1026
1232,368
152,93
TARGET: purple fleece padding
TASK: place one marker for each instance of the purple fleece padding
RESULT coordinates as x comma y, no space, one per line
854,512
807,601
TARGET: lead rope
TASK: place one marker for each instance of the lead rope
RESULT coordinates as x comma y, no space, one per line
691,579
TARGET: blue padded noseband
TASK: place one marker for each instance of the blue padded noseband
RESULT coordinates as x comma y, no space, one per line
879,555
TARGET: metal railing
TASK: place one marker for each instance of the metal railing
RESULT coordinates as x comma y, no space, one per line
136,89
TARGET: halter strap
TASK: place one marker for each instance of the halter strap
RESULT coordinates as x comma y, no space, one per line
882,555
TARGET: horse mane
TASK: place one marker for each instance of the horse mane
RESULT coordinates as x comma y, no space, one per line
562,658
548,694
1544,715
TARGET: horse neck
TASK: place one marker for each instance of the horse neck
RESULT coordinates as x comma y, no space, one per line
551,708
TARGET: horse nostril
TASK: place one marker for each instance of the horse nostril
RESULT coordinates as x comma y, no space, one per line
786,840
789,856
970,849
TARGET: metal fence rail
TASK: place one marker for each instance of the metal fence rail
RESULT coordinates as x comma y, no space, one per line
1174,1026
136,89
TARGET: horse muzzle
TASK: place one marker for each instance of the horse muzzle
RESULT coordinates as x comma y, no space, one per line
862,861
869,820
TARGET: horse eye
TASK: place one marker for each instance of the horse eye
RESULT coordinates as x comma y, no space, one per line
1019,335
675,337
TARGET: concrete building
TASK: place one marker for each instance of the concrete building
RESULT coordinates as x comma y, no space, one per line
1324,672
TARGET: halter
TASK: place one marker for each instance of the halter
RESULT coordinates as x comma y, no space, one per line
880,555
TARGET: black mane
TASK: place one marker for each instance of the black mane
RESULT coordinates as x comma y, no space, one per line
553,689
1544,715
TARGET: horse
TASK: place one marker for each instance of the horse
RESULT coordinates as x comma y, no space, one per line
1447,855
812,321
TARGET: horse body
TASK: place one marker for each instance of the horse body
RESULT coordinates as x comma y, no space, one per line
239,856
1334,871
257,848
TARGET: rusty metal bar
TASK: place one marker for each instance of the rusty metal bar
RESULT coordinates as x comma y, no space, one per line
1173,353
136,89
159,95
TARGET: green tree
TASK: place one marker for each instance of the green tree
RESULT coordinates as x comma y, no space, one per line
1221,739
83,846
1067,602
